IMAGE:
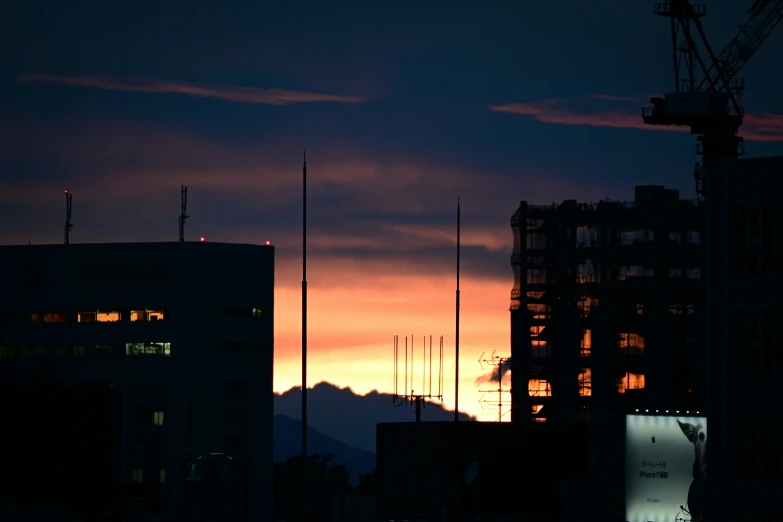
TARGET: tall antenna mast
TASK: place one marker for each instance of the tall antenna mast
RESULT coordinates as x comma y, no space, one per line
304,337
184,215
456,342
68,224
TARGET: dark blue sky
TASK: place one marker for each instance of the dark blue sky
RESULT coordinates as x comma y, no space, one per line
410,130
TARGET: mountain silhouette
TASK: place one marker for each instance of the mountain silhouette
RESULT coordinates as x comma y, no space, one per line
288,443
341,414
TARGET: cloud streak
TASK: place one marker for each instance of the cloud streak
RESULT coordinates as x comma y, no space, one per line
231,93
757,127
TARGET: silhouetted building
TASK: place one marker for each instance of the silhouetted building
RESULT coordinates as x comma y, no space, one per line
62,448
482,469
184,331
745,338
605,307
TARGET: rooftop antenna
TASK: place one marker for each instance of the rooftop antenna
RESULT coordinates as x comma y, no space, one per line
495,361
408,395
184,216
456,342
304,338
68,224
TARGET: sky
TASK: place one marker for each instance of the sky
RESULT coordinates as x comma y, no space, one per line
401,108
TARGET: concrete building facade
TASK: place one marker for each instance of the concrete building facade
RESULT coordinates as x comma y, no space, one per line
184,330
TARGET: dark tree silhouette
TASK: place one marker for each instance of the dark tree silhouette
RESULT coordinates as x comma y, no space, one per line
324,480
367,484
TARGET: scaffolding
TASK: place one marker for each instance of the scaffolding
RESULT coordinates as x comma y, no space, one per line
603,305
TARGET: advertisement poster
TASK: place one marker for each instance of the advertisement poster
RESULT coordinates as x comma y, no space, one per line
666,468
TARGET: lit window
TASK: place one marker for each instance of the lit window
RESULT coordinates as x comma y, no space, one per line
137,475
157,418
258,312
148,349
631,381
162,476
86,317
107,317
147,315
56,318
100,349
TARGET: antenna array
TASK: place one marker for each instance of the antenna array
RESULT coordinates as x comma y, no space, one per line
498,364
407,395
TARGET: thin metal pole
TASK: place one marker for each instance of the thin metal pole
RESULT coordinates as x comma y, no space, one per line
304,338
456,343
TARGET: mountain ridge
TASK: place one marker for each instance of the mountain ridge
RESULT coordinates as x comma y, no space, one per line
350,418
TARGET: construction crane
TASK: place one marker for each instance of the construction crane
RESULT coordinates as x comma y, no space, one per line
708,98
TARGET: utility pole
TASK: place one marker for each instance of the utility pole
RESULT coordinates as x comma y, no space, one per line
304,498
456,343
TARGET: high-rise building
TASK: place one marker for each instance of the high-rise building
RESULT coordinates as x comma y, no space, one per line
745,338
183,330
605,307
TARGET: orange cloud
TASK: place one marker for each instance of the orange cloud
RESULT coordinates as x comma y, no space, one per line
220,92
757,127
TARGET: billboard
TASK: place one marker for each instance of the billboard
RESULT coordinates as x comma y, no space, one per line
665,468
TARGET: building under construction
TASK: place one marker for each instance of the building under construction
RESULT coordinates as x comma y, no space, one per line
605,306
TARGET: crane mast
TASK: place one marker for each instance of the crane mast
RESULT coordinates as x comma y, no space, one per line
708,96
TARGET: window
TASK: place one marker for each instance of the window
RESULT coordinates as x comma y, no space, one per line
100,349
56,318
39,351
137,475
157,314
235,312
631,381
237,389
162,476
237,444
157,419
236,416
100,316
148,349
630,343
739,238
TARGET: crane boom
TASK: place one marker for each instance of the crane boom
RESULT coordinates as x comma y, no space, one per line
764,16
710,105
